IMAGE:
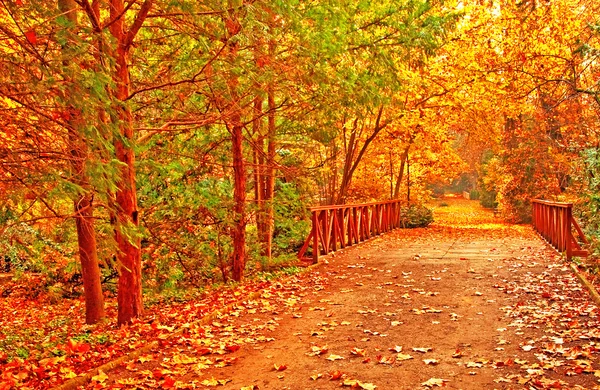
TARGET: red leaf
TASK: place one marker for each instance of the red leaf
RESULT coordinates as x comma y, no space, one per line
335,375
31,37
232,347
281,367
168,383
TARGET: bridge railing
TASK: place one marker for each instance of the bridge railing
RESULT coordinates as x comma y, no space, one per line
341,226
554,221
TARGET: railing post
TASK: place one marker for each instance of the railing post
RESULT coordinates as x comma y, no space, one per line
315,225
554,222
337,226
568,217
334,229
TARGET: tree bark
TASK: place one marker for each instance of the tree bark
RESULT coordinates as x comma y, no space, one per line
403,159
259,161
269,222
88,256
236,127
83,204
239,197
129,247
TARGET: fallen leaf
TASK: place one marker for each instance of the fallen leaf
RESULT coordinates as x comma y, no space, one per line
280,367
422,350
232,348
402,356
396,349
336,375
334,357
100,378
316,350
434,382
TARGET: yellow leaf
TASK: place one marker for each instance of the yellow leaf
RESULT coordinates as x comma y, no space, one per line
184,359
67,373
101,377
210,382
146,358
334,357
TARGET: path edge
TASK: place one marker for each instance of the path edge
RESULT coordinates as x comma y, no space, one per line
82,380
587,284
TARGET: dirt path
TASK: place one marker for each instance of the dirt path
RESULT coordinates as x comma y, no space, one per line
468,303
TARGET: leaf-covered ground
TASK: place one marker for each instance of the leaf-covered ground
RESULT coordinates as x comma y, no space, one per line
468,303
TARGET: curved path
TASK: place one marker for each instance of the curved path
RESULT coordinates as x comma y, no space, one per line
468,303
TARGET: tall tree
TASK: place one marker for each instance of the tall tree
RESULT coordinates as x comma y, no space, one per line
83,203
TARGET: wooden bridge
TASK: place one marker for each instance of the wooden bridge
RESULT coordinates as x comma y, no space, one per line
340,226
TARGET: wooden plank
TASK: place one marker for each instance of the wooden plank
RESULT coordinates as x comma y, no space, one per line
306,244
579,231
315,229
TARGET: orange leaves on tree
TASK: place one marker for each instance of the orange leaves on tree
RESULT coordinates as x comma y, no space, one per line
31,36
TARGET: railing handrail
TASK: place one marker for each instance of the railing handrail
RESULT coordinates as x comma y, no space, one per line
345,206
344,225
554,222
552,203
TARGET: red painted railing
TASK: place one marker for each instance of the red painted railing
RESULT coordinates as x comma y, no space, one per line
554,221
336,227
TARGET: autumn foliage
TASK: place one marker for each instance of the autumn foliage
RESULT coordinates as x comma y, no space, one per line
153,148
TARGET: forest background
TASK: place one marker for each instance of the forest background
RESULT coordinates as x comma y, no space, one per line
154,148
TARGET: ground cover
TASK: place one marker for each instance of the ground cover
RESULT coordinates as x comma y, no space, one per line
467,303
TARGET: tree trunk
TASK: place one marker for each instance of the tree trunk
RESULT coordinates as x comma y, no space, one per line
83,204
403,159
407,180
88,256
239,198
128,244
259,168
267,241
236,128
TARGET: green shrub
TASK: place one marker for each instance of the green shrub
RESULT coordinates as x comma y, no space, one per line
416,216
474,195
292,220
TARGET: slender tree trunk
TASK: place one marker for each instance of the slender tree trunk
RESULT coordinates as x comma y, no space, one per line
88,256
127,219
391,175
83,204
259,168
403,159
239,197
267,239
236,127
407,180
